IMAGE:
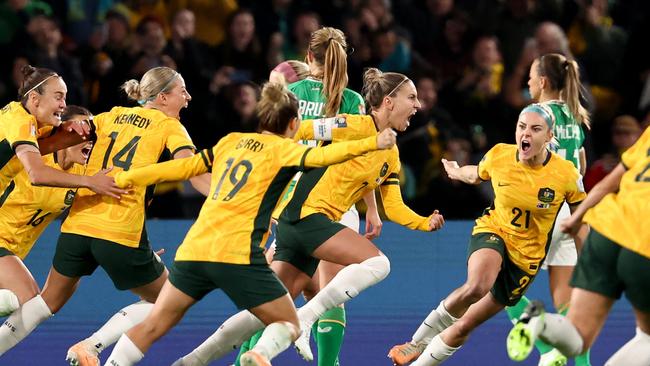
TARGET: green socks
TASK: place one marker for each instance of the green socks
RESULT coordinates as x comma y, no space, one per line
328,332
514,312
248,345
329,336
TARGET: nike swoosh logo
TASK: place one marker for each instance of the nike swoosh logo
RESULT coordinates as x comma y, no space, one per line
503,184
324,330
346,292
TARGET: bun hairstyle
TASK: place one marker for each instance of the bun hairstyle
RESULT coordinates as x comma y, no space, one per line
153,82
329,47
276,108
34,79
378,84
564,75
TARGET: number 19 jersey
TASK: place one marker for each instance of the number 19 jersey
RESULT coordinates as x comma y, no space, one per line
127,138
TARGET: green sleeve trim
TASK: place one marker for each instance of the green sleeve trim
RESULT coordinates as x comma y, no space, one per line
301,167
391,183
206,160
190,147
15,144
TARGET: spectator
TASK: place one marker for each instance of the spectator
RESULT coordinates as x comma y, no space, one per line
625,131
151,43
44,50
211,17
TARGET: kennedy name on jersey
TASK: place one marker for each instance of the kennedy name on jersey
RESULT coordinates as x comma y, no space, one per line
132,119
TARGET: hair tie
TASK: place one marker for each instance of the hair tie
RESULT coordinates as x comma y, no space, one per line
565,64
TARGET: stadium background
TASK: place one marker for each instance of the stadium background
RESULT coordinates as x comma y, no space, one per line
424,268
464,56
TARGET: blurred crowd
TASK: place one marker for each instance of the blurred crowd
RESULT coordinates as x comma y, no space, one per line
468,58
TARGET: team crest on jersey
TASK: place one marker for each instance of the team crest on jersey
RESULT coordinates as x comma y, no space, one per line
546,195
384,170
69,197
493,239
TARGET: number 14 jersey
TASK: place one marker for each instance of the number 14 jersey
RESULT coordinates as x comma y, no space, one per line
127,138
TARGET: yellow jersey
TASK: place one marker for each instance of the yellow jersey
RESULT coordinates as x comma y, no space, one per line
17,127
249,173
333,190
26,210
527,201
621,216
127,138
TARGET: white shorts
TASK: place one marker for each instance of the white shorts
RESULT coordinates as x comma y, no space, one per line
351,219
562,250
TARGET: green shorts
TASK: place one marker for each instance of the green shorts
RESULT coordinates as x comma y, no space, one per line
606,268
246,285
79,255
512,282
295,242
5,252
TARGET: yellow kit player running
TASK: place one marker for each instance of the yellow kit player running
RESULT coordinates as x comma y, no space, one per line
25,211
224,248
555,82
322,92
615,258
509,241
308,230
104,231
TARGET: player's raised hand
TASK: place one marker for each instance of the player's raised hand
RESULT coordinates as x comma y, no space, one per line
386,139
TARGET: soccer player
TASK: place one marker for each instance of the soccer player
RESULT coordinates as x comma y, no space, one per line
615,258
323,93
104,231
508,242
555,81
42,100
26,210
308,228
224,248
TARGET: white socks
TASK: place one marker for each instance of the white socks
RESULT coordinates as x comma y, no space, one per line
8,302
435,353
275,339
344,286
230,335
558,331
125,353
22,322
636,352
438,320
119,323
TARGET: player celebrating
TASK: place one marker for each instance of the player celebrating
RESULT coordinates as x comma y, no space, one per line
250,173
508,242
615,258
